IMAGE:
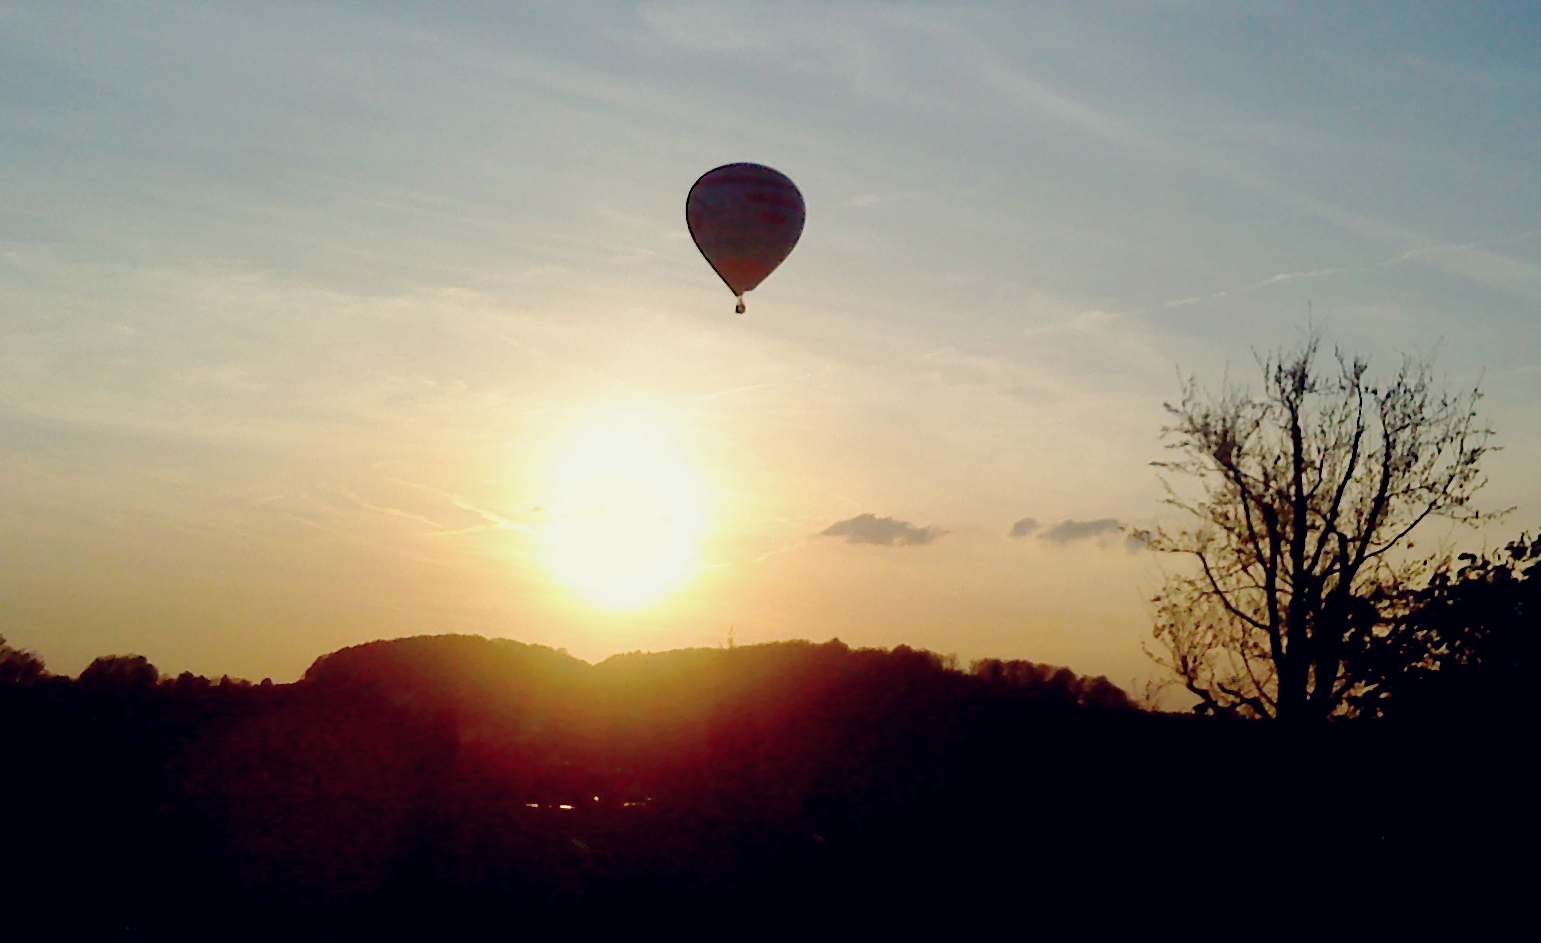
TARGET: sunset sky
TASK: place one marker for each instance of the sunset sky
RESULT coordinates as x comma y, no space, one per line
327,322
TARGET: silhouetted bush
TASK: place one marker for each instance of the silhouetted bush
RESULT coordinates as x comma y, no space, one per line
19,667
1480,620
1053,683
120,671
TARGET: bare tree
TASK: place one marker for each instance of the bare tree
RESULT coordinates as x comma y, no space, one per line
1308,495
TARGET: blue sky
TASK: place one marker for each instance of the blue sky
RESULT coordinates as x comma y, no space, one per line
298,302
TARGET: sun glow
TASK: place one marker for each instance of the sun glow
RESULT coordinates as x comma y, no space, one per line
625,514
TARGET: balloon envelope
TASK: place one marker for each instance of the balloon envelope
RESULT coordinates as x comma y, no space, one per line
745,218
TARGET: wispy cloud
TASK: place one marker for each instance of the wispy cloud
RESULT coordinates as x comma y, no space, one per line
390,511
1067,531
1101,531
1475,261
494,520
1471,260
1279,279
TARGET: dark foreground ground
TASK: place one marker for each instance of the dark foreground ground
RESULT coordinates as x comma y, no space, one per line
456,783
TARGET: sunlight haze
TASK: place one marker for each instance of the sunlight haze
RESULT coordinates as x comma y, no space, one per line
624,516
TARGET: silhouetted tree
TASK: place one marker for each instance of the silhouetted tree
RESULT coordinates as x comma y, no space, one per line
1049,682
1309,493
19,667
1468,637
121,671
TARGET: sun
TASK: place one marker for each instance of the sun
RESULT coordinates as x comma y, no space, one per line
625,514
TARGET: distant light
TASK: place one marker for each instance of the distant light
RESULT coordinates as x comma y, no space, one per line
564,806
596,798
532,805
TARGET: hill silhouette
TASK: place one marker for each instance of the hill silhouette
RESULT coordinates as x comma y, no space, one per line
431,781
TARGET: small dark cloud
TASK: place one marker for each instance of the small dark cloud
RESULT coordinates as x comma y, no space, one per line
1102,530
884,531
1066,531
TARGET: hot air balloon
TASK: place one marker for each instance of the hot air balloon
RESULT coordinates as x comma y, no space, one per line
745,218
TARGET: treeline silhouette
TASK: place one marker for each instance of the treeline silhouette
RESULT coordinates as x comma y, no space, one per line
455,780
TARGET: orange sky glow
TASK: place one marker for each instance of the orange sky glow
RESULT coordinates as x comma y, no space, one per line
323,325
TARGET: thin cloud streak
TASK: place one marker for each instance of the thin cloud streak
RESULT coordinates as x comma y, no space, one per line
1466,259
492,517
1265,283
390,511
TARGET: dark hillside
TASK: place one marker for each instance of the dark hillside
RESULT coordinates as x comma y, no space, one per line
456,779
